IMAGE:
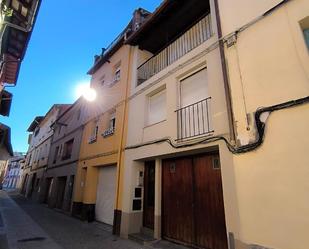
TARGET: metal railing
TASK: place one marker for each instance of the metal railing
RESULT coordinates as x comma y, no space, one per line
191,39
194,120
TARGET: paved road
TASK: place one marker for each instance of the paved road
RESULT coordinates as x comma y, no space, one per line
29,225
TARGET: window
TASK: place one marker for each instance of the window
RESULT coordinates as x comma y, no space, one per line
67,149
193,116
56,154
60,150
36,132
94,132
102,80
306,34
111,124
193,88
304,24
78,113
117,75
156,107
112,120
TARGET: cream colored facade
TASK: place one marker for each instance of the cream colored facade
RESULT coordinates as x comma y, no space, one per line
140,132
265,190
268,65
38,151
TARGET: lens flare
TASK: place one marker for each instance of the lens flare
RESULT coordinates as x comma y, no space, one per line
86,91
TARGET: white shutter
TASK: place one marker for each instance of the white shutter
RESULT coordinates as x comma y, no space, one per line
194,115
106,193
157,107
194,88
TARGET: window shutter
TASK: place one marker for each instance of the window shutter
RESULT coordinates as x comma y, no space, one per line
194,88
157,107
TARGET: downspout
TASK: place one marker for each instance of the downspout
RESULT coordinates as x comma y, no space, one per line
225,75
123,124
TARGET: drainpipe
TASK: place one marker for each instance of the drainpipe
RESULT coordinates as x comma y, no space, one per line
225,74
123,124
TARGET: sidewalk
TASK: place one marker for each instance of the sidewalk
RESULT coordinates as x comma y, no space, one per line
29,225
20,230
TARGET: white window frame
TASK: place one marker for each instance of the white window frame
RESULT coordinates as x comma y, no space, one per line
158,92
111,125
94,132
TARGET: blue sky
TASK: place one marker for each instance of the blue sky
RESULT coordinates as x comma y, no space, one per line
66,37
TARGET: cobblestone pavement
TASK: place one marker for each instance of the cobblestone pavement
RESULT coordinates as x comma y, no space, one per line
29,225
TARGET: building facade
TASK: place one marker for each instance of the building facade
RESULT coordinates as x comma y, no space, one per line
63,157
172,178
12,178
98,180
196,126
2,171
38,151
266,50
6,150
17,22
199,132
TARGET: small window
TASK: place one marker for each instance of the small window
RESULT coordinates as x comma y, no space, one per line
112,120
56,154
111,125
102,80
216,162
117,73
156,107
304,24
94,132
306,34
36,132
78,113
67,149
60,150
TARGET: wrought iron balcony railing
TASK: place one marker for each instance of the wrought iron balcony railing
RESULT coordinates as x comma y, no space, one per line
194,120
191,39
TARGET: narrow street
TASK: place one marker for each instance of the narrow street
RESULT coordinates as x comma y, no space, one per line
27,224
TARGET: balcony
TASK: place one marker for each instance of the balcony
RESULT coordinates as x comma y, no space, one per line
191,39
194,120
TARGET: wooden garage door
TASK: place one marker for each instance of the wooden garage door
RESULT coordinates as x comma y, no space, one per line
104,208
192,207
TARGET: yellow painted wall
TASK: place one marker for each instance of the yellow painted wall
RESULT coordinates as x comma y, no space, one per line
105,150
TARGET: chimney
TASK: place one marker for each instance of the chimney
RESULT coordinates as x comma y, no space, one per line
96,58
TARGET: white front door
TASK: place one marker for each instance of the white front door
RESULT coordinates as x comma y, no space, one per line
104,208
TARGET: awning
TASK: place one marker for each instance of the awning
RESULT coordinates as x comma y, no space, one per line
5,138
167,23
37,120
14,40
9,69
5,103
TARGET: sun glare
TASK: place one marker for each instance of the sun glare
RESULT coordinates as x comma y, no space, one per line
86,91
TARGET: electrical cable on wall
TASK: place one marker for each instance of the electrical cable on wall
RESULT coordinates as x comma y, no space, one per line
232,148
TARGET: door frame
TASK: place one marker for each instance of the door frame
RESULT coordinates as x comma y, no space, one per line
152,163
209,153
